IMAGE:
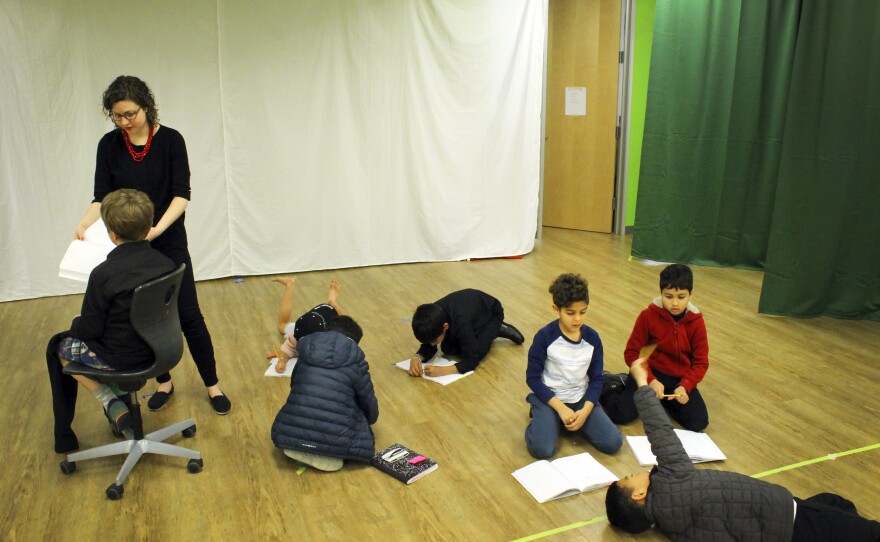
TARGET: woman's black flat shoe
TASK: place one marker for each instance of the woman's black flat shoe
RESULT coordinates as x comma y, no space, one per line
221,404
159,399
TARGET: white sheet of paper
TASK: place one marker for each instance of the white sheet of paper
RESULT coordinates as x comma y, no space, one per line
438,362
575,101
291,363
84,255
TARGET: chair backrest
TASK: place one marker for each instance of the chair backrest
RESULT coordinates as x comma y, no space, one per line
154,317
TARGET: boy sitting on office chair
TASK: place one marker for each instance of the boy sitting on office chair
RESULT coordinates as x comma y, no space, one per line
675,328
331,406
689,504
102,334
464,323
316,319
565,375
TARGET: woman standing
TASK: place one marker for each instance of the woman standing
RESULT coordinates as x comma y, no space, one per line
139,153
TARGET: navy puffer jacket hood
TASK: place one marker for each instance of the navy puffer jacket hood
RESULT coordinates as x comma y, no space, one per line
331,403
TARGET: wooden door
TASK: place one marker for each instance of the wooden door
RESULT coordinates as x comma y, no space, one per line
579,151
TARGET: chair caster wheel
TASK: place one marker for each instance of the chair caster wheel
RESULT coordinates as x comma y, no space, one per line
114,492
189,432
195,466
68,467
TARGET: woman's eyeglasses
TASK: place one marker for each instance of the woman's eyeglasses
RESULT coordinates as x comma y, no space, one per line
128,115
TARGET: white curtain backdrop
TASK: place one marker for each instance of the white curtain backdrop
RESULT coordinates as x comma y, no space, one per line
321,134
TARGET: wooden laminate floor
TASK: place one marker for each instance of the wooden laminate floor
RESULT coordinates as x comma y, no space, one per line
779,391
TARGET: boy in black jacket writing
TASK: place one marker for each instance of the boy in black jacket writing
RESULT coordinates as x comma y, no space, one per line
464,323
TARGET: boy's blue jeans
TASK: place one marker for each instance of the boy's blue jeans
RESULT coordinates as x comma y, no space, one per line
543,431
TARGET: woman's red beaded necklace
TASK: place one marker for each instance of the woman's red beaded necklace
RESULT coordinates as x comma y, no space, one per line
138,156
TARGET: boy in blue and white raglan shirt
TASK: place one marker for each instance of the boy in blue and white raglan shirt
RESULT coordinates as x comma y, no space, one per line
565,375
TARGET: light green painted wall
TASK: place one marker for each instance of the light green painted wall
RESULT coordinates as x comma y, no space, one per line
644,28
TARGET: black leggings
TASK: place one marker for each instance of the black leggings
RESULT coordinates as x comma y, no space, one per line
198,339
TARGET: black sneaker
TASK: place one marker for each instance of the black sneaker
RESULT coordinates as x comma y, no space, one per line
510,333
118,414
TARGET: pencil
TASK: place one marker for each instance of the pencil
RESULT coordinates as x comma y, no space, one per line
671,395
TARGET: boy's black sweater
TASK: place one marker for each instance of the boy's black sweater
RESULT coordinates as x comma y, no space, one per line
474,318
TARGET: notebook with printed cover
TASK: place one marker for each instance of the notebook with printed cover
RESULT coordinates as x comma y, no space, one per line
396,461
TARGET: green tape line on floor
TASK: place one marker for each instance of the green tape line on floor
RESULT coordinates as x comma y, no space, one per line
562,529
816,460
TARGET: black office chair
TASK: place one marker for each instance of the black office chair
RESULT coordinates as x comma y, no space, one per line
154,317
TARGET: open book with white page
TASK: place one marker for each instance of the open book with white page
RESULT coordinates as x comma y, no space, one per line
438,362
548,480
699,447
84,255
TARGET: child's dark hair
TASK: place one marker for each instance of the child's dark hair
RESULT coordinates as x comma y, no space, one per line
129,87
427,322
623,511
677,276
347,326
568,289
128,213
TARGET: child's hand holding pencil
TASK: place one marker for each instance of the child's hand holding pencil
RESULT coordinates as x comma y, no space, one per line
280,364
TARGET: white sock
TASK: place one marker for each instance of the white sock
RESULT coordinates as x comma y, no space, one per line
104,394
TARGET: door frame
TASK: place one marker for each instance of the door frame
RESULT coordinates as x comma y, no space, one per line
624,99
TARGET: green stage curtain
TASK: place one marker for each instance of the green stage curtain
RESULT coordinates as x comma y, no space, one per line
823,255
720,74
761,148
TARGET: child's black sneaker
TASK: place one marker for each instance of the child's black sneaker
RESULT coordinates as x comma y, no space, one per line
118,414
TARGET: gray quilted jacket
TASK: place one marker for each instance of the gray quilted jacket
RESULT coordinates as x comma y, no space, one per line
331,403
707,505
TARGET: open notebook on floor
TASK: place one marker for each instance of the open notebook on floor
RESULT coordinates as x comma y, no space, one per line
548,480
84,255
438,362
699,447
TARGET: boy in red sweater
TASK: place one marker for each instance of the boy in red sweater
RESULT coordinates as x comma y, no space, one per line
675,327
